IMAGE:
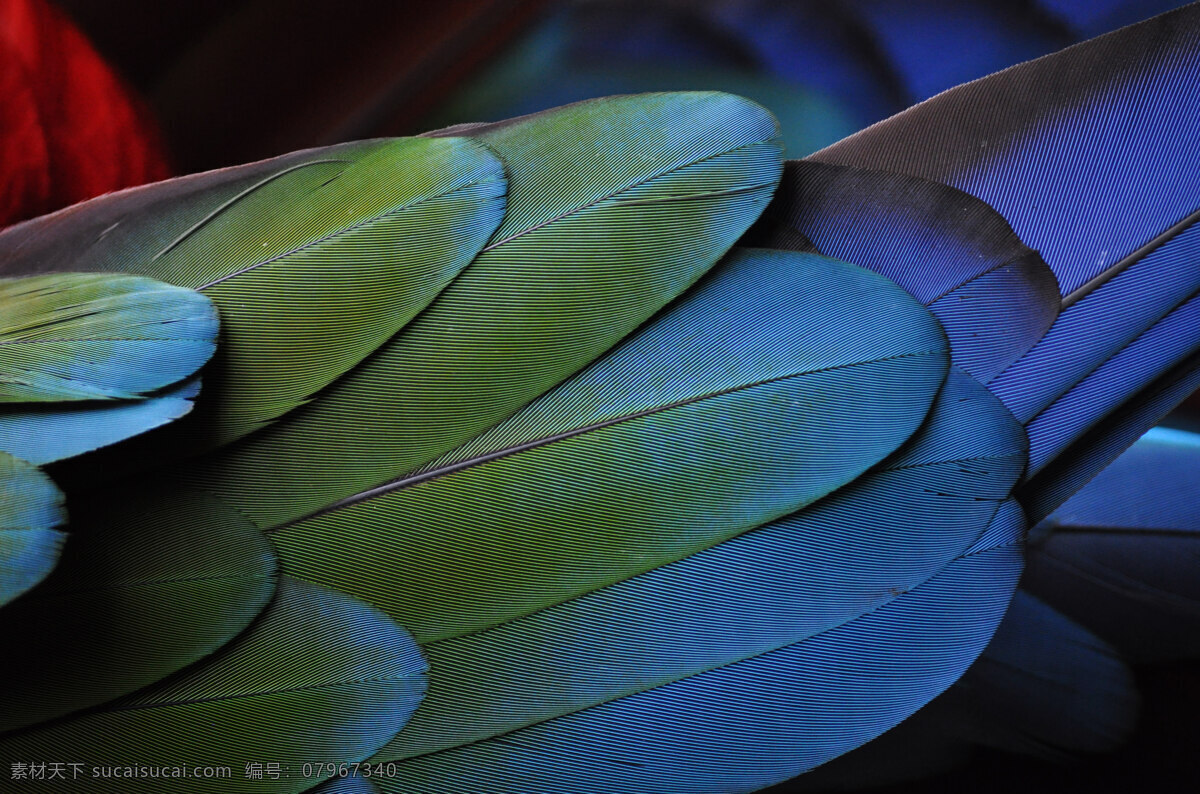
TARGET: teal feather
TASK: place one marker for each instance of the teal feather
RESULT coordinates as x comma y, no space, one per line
774,586
667,415
743,726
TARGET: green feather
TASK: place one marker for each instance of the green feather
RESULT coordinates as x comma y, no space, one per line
615,206
313,259
79,336
140,592
319,681
30,509
350,784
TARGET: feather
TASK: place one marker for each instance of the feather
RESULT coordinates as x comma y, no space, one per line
1118,228
31,509
99,337
350,784
1046,686
713,420
147,585
299,253
615,206
47,433
1120,556
1170,341
1043,686
1102,444
709,555
741,726
320,680
87,360
994,296
764,590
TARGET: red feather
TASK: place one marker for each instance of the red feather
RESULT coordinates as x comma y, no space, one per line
69,128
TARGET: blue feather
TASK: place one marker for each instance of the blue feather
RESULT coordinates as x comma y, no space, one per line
1119,379
1104,442
1118,228
785,583
31,509
745,725
1155,484
994,296
1121,555
46,434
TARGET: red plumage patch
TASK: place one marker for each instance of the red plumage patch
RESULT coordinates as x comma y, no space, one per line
69,128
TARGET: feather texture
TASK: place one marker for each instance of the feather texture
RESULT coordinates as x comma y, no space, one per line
771,587
656,530
147,585
1044,686
320,680
1102,444
31,509
314,259
1118,228
742,726
730,410
46,433
614,207
1170,341
1121,555
993,295
84,336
